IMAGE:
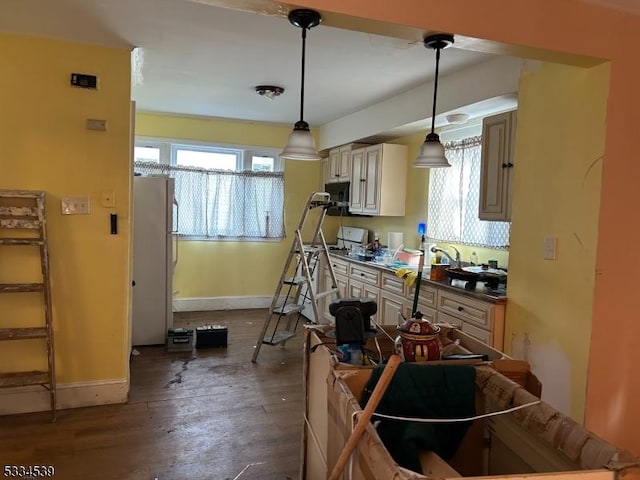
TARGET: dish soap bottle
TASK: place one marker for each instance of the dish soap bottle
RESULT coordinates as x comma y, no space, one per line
474,259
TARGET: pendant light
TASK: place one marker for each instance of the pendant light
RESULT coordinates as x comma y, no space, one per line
301,145
432,152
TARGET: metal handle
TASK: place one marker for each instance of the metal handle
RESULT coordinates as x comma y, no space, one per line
504,165
509,165
460,309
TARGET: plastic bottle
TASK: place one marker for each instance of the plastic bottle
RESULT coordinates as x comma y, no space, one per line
376,241
474,258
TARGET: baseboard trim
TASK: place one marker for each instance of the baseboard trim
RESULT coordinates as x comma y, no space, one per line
69,395
202,304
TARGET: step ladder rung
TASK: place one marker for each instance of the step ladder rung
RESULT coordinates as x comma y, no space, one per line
21,194
20,223
278,338
326,293
22,333
294,281
15,211
21,241
321,203
21,287
21,379
288,309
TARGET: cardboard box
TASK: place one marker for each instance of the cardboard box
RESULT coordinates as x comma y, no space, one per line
534,442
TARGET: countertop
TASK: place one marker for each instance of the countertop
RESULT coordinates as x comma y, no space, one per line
486,294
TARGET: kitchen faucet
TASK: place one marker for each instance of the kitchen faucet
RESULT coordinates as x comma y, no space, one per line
455,262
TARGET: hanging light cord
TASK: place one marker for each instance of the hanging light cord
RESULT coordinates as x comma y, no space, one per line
304,42
435,91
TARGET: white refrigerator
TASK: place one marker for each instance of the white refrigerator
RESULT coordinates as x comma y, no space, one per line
154,259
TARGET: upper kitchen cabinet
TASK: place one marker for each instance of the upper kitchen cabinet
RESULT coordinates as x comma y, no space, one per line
339,163
496,175
378,180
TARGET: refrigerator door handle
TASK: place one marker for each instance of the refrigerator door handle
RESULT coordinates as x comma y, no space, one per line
174,227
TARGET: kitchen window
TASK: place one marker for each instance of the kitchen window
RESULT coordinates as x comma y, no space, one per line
223,192
454,196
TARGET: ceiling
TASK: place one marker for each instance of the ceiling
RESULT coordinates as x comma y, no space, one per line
196,58
200,59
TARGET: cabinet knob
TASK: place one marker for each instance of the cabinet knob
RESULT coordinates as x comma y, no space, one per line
505,165
337,175
362,274
460,309
363,180
509,165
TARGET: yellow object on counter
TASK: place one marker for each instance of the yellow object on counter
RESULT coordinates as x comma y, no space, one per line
408,275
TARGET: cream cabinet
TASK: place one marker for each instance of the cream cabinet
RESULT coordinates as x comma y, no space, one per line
339,163
378,180
482,320
498,161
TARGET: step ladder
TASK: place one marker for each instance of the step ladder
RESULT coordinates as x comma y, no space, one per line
23,223
295,288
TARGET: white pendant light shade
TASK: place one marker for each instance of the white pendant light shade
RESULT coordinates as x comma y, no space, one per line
301,145
431,154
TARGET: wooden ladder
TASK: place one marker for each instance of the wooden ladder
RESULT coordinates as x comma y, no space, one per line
23,223
293,292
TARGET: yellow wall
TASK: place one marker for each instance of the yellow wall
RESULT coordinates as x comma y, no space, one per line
556,193
45,146
222,269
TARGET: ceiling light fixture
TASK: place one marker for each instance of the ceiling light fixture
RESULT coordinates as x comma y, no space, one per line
457,118
301,145
269,91
432,152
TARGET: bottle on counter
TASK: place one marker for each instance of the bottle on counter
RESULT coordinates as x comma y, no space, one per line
376,242
474,259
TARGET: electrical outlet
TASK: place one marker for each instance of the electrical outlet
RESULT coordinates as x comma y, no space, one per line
96,124
550,248
108,199
75,205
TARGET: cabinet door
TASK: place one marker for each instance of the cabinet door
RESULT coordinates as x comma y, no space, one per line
344,173
342,284
390,308
358,289
498,135
371,168
357,181
334,166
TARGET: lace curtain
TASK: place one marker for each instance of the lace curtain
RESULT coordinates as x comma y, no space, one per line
454,197
222,204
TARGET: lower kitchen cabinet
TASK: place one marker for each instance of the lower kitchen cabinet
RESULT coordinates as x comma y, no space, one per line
483,320
390,308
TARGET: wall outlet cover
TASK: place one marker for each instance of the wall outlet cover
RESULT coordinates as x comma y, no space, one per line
77,205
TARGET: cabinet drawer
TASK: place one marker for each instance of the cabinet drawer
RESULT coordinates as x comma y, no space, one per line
469,310
340,267
479,334
428,295
444,318
428,314
365,274
392,284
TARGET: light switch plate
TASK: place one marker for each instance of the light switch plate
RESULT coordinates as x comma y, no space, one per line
75,205
550,248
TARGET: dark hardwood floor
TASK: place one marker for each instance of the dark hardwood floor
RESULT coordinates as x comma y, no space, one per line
206,414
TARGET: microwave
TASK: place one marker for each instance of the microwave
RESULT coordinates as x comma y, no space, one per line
339,195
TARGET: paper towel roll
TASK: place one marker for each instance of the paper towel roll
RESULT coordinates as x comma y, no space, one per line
394,240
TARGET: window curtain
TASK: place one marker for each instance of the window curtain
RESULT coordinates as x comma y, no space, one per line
222,204
454,198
